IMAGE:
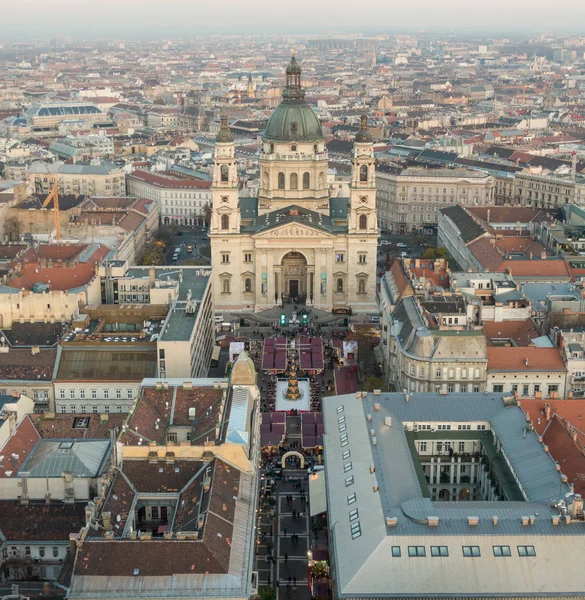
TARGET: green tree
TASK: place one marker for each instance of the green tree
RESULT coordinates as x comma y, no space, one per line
372,383
266,593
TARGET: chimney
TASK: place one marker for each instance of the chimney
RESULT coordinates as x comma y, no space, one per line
488,215
107,520
543,255
152,274
14,589
574,434
547,411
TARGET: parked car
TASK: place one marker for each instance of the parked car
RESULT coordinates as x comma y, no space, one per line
315,469
375,319
401,245
385,243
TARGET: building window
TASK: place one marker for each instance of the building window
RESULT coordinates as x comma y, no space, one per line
364,173
225,258
471,551
82,394
361,286
248,285
497,387
552,388
225,286
94,394
439,551
42,551
354,514
362,258
525,390
94,410
55,551
416,551
340,285
349,481
247,257
356,530
281,181
154,513
83,408
351,499
172,436
118,394
526,551
339,257
294,181
72,394
306,181
225,222
106,394
450,388
107,408
363,224
346,454
422,447
129,394
396,551
62,394
502,551
347,467
224,173
438,373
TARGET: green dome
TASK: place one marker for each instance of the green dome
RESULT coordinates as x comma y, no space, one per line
293,122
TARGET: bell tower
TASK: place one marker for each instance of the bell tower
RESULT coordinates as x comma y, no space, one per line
363,217
225,217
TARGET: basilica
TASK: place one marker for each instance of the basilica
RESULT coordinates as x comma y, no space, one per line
294,242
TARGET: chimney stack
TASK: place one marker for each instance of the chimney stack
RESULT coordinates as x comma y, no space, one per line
547,411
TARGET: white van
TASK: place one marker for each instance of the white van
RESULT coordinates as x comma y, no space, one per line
218,319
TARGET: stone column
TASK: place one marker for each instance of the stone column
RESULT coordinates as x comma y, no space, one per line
452,471
459,469
329,262
270,277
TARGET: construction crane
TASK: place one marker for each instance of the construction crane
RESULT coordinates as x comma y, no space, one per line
54,196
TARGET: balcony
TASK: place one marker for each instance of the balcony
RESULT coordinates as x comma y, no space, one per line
295,157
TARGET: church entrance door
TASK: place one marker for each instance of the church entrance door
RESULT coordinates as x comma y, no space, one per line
294,288
294,277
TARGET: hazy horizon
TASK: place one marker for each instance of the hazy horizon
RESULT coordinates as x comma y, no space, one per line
150,18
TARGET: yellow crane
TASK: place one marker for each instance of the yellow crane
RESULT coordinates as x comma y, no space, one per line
54,196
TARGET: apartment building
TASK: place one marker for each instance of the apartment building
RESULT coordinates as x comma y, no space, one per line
94,179
418,358
410,199
180,201
548,191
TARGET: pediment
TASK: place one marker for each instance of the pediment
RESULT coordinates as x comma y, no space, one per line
293,231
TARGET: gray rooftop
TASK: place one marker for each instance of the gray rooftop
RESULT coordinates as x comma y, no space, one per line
51,458
364,566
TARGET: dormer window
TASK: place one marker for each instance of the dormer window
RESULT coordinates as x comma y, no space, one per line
293,148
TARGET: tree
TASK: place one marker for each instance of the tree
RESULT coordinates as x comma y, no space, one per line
439,252
207,214
266,593
372,383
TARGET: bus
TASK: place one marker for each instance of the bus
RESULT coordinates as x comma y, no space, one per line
215,356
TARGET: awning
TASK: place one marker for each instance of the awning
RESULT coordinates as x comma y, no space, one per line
317,497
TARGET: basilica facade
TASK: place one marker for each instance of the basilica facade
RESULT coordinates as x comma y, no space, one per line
294,242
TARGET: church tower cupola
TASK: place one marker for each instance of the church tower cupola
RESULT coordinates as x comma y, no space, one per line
294,90
224,135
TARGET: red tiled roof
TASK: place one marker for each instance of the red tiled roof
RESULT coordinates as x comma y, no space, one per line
63,426
509,214
529,359
486,254
537,268
18,447
522,332
167,182
44,522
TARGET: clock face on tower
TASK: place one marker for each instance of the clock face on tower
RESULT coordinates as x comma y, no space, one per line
225,199
363,199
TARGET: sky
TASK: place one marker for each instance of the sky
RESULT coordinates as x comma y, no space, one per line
159,18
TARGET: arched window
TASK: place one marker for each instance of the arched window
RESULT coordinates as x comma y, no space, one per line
224,173
316,149
306,180
225,286
225,222
364,173
294,181
248,285
271,147
340,285
363,222
281,181
293,148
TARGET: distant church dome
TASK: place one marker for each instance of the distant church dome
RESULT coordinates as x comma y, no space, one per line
293,120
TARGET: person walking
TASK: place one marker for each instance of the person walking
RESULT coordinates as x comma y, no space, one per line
285,532
285,558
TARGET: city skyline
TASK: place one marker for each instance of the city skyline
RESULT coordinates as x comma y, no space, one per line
143,19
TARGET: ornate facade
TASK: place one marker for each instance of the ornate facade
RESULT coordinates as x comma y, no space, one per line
294,241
